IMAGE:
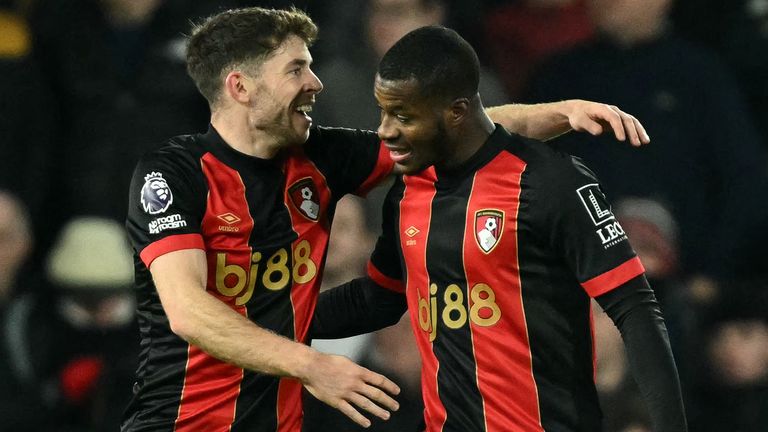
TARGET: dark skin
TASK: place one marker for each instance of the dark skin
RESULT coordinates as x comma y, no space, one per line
421,131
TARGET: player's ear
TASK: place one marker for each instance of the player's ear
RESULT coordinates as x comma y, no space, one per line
457,111
237,86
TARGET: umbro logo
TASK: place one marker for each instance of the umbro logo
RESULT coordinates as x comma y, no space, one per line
230,219
411,232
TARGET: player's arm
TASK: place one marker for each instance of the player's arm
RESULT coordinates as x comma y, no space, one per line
202,320
373,302
634,310
357,307
550,120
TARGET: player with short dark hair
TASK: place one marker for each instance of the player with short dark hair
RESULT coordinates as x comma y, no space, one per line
496,243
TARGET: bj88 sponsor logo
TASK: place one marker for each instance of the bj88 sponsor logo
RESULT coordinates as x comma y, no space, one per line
275,273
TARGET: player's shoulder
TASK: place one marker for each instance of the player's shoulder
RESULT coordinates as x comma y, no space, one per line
179,149
546,163
320,136
179,156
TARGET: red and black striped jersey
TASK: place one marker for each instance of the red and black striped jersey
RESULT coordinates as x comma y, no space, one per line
264,226
498,259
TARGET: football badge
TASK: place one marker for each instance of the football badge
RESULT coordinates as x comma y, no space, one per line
489,225
156,195
305,198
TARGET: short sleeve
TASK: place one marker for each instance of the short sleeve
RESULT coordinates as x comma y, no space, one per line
353,160
385,266
583,229
166,204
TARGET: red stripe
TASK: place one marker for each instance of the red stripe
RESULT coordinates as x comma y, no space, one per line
171,244
496,273
210,393
611,279
383,167
387,282
312,233
592,341
211,387
416,211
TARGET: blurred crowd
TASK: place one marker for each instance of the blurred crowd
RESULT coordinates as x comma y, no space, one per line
87,86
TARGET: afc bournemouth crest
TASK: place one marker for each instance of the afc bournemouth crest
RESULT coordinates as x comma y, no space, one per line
305,198
489,225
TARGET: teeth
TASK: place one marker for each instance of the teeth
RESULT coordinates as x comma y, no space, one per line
307,108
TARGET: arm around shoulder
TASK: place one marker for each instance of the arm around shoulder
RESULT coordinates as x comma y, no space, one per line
546,121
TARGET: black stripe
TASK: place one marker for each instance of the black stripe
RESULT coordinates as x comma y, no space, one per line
257,404
456,376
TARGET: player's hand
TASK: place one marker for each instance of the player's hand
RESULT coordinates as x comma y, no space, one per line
344,385
594,118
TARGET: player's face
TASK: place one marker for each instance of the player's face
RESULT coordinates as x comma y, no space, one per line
285,92
411,127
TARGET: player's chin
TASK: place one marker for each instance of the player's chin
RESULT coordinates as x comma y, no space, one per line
407,167
302,133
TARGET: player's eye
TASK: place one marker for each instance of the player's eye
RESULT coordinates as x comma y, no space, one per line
296,71
402,119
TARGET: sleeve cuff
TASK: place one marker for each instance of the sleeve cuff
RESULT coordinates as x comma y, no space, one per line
171,244
614,278
387,282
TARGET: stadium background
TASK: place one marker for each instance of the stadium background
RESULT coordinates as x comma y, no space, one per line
87,86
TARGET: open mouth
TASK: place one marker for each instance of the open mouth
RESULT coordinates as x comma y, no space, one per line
399,154
304,109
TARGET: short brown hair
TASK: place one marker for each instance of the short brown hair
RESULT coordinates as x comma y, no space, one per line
238,36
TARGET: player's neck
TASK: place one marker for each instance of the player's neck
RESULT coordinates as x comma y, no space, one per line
470,137
234,129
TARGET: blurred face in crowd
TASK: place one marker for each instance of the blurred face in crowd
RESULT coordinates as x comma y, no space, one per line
739,352
389,20
15,242
412,127
628,20
281,93
127,12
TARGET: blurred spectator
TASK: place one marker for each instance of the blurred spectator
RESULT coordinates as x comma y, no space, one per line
705,161
745,47
78,343
21,409
392,352
732,393
653,233
117,68
347,99
521,34
738,30
27,119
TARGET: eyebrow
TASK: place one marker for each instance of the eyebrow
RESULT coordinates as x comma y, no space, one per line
299,62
